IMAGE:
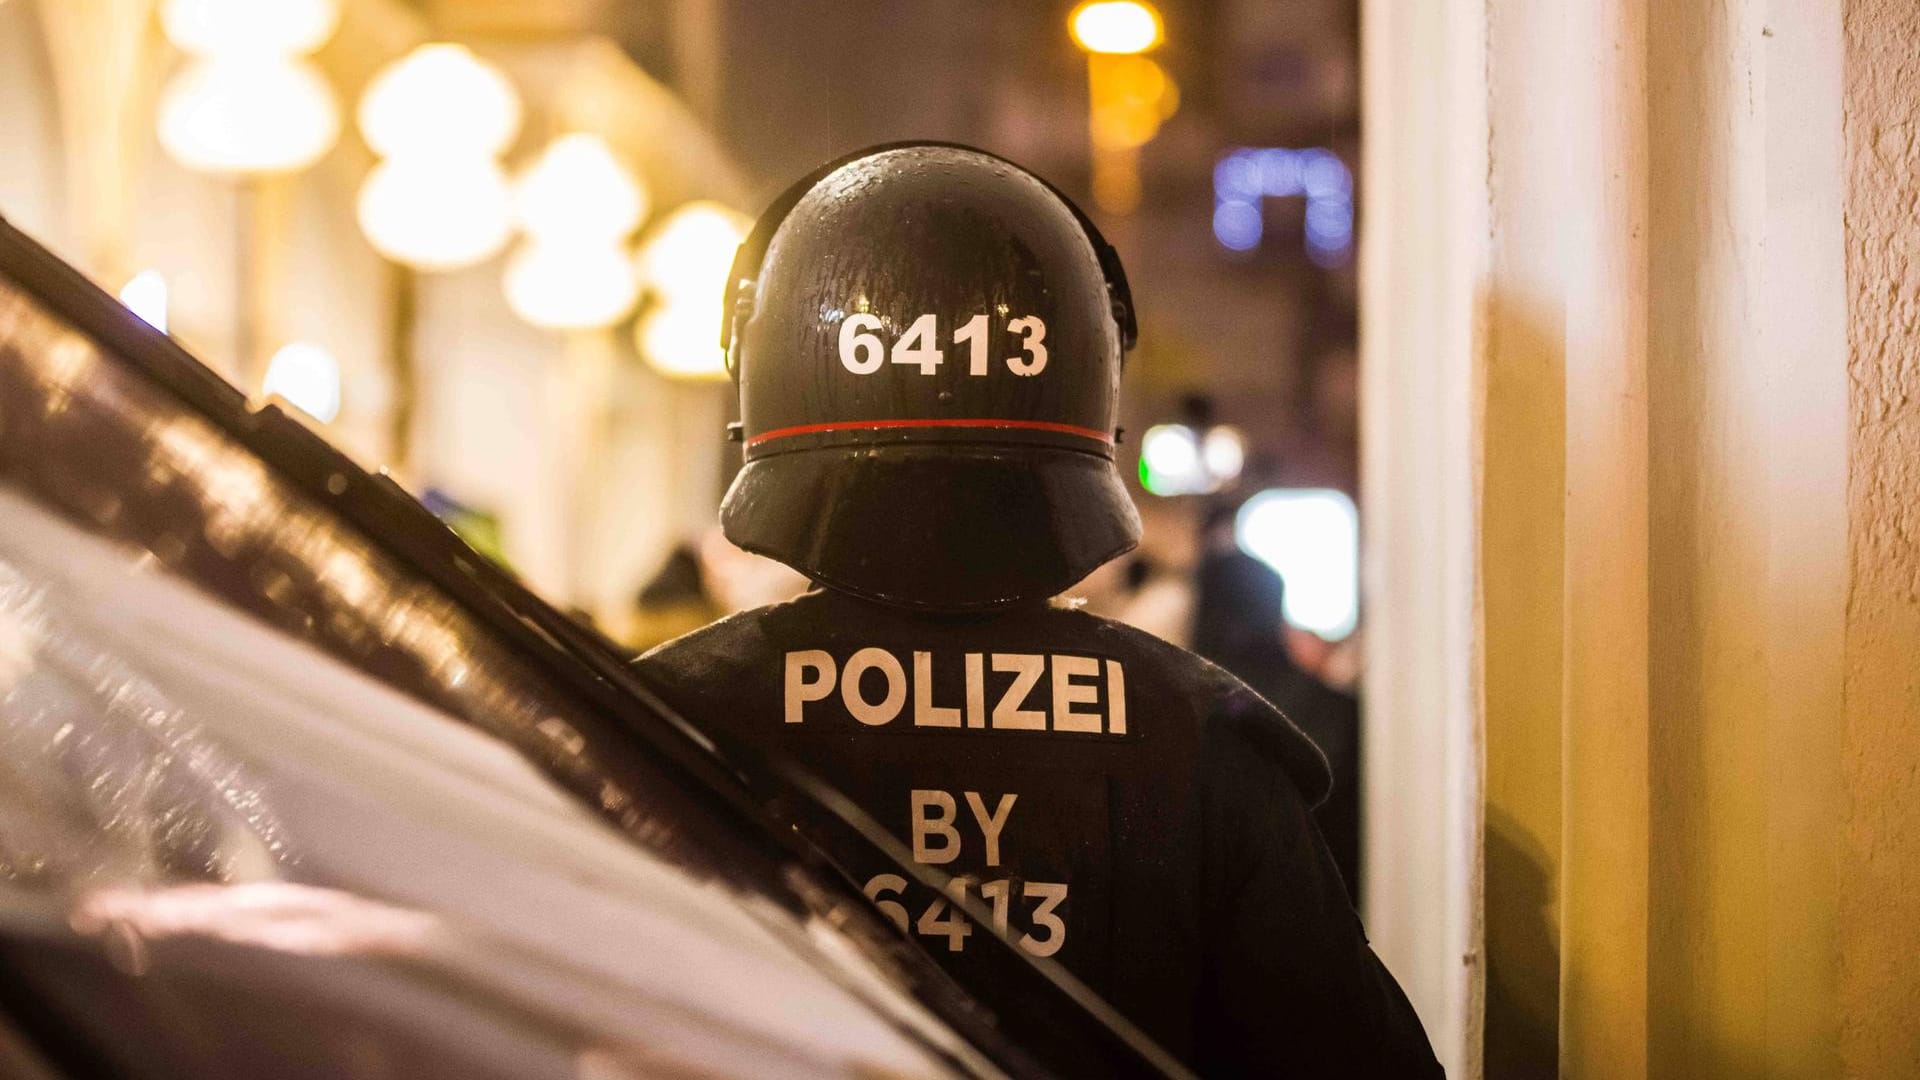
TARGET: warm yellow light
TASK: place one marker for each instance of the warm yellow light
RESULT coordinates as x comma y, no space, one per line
440,99
435,213
1130,96
684,261
1115,26
578,191
249,27
686,257
307,377
571,286
682,340
248,115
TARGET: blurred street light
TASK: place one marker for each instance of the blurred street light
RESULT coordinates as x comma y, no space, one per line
577,190
682,342
687,256
248,104
145,294
1170,461
1223,453
1117,27
244,116
578,205
440,117
1131,96
684,264
571,285
1179,459
1128,96
434,213
249,27
440,99
307,377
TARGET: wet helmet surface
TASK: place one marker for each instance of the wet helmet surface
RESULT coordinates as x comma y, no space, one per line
928,344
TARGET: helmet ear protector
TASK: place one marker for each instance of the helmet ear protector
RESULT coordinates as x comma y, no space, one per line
745,271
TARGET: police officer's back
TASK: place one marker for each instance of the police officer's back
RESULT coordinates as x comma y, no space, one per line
928,343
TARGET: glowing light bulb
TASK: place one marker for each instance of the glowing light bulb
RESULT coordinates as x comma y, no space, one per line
307,377
1115,26
571,286
1224,453
687,256
435,213
578,190
1171,462
249,27
682,341
1238,225
248,115
440,99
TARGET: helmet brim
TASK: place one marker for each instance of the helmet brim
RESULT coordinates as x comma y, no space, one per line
936,528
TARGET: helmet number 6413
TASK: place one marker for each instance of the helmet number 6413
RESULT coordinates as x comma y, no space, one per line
862,352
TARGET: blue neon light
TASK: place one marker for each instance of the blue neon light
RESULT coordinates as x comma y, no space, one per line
1248,175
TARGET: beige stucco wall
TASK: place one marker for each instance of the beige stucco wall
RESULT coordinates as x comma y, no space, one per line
1693,383
1420,259
1880,853
1522,549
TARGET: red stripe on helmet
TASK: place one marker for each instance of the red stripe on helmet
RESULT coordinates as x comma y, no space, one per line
868,425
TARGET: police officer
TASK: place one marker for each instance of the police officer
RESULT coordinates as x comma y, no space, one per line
928,341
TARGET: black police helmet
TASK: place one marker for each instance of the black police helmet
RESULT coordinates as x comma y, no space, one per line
928,343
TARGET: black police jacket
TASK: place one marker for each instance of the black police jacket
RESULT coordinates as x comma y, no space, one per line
1129,809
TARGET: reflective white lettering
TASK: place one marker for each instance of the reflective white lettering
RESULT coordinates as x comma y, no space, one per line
888,883
925,712
918,346
1032,332
975,331
850,693
800,688
1051,895
1073,700
991,824
1027,669
1067,693
861,352
926,825
939,920
976,690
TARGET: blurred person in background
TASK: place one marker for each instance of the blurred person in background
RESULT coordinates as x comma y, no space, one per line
1157,580
701,580
673,602
1240,624
740,580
